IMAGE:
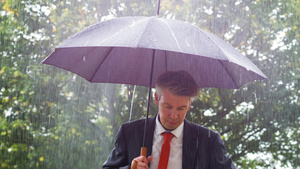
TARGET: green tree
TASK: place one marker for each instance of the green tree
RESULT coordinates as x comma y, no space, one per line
50,118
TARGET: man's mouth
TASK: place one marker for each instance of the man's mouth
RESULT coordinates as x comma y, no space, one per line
172,122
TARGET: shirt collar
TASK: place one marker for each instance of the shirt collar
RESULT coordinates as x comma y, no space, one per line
159,129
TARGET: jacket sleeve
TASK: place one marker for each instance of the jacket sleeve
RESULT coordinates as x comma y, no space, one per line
118,156
218,157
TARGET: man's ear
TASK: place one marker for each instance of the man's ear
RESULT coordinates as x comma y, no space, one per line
156,98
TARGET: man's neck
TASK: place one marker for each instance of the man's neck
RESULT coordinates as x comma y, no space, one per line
163,125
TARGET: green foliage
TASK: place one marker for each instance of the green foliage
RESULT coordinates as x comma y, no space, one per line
50,118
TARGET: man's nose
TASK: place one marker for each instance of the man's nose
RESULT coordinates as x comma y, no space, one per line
173,114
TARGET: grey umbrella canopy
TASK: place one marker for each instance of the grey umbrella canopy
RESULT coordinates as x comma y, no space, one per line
136,50
121,50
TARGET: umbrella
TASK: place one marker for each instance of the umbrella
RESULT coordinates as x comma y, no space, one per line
121,50
135,50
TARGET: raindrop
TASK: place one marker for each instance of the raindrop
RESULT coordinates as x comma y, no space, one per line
83,58
131,106
248,116
187,43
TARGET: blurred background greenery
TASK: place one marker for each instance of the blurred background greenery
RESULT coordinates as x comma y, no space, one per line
50,118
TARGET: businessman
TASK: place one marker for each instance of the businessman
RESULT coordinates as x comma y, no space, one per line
172,141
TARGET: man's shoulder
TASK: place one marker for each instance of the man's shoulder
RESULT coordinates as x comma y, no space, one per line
200,130
133,123
137,123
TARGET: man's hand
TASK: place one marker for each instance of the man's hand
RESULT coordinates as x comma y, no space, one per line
142,162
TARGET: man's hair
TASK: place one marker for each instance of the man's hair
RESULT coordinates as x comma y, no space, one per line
179,83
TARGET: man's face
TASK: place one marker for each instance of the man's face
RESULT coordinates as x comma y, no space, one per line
172,109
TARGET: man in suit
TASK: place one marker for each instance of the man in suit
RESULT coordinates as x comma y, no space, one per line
191,146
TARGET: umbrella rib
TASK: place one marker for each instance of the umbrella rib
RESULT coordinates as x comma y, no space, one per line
208,36
101,63
117,33
141,35
172,35
236,86
253,67
113,35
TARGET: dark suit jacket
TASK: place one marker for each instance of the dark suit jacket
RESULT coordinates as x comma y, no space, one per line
202,147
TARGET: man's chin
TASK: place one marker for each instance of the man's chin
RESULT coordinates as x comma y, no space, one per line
171,126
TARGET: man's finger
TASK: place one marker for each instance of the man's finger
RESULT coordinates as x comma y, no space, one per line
149,159
141,162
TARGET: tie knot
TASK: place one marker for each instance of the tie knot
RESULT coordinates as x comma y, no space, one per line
167,137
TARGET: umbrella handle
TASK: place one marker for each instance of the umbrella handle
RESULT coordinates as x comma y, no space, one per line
143,153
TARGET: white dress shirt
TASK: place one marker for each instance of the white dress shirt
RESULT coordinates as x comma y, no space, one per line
175,158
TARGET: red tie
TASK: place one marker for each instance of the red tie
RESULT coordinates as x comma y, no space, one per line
165,151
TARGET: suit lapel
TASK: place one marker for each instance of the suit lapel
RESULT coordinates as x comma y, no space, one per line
189,149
